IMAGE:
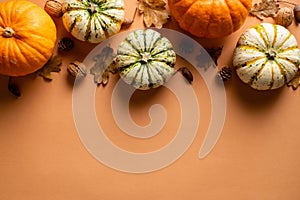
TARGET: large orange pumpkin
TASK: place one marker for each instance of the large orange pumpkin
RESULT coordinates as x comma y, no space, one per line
27,37
210,18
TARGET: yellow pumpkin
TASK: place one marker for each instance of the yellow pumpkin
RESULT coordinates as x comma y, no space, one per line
266,56
210,18
27,37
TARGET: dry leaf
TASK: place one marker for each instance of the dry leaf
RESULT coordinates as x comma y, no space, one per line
53,65
154,12
104,64
265,8
215,53
295,82
204,62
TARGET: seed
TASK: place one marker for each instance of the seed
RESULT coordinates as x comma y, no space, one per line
187,74
13,88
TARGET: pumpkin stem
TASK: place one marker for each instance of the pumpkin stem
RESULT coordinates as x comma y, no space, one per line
8,32
271,54
146,56
93,8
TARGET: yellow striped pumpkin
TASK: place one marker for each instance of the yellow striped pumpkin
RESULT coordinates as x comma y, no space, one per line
93,20
146,59
266,57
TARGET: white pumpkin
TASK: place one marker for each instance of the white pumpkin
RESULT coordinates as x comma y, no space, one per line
146,59
93,20
266,56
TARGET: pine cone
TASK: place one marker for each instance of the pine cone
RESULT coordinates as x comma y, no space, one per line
225,73
65,44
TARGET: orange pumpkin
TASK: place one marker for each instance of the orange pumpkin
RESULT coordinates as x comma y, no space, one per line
210,18
27,37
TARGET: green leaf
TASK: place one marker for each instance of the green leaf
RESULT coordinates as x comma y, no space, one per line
53,65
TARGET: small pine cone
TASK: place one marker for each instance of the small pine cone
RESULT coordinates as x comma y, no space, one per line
65,44
225,73
77,69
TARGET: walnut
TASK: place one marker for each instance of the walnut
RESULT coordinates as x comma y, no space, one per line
284,17
77,69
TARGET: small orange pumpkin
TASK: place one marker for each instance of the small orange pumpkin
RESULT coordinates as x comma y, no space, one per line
27,37
210,18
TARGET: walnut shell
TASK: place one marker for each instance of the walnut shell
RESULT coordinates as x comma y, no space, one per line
77,69
53,8
284,17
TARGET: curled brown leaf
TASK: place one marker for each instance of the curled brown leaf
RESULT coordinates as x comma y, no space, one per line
265,8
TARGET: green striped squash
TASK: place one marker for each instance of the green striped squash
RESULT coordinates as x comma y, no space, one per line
146,59
266,57
93,20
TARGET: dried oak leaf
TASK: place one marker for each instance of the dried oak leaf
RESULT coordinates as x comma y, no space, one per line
154,12
53,65
295,82
215,53
204,62
265,8
104,64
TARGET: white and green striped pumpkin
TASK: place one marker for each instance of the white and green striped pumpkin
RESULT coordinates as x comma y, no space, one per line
93,20
146,59
266,57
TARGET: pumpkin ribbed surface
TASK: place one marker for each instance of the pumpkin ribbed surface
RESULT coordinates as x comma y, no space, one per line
266,56
210,18
27,37
93,20
146,59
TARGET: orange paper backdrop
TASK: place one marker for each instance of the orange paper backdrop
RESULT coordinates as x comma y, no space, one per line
42,156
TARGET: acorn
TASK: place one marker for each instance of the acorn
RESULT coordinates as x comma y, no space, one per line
297,13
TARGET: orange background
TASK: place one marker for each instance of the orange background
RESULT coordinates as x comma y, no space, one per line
42,157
